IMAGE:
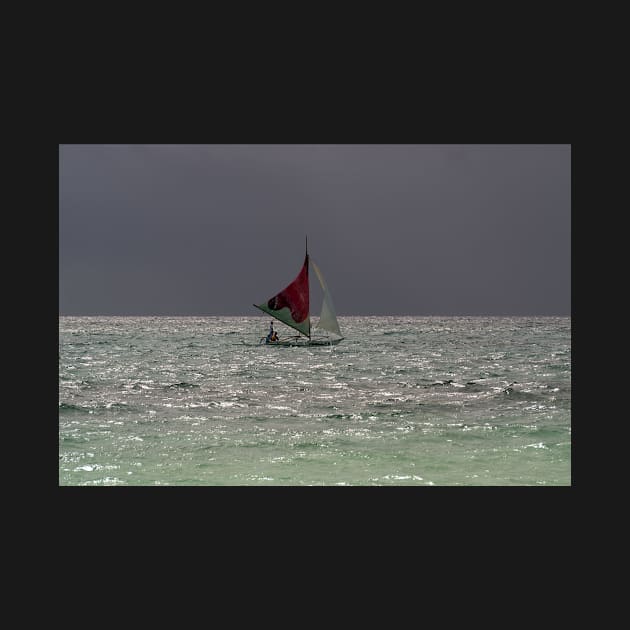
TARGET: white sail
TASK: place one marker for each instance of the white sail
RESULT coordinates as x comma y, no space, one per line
328,318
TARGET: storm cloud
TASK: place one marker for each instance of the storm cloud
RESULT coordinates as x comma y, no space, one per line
396,229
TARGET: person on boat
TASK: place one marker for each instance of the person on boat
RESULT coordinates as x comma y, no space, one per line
274,337
271,333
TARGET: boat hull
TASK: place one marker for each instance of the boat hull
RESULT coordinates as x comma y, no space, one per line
302,341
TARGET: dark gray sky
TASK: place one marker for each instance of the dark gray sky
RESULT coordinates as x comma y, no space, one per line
396,229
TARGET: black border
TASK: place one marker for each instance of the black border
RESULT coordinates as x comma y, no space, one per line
386,104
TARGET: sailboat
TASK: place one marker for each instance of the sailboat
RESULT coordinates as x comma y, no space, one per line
291,307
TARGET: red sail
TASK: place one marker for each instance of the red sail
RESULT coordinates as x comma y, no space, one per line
291,305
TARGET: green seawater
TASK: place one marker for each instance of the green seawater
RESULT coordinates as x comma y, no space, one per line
427,401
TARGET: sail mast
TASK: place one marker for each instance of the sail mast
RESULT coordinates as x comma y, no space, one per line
308,288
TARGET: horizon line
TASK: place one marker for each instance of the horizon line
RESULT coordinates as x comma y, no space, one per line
338,315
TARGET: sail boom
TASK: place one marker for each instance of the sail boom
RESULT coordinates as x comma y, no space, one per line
268,312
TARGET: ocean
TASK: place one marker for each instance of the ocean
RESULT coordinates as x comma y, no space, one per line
425,401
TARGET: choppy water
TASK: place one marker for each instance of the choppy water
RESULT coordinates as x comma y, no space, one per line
401,401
